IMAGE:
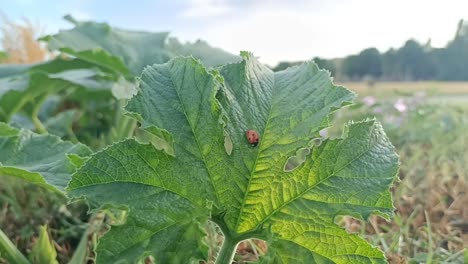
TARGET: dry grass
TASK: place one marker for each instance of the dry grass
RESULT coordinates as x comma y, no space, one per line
392,88
431,220
20,43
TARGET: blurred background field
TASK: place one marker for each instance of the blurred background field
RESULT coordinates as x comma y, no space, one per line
426,119
430,224
393,89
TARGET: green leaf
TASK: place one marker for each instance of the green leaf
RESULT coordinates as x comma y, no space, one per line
43,251
18,86
246,190
200,49
13,80
39,159
137,49
101,58
61,124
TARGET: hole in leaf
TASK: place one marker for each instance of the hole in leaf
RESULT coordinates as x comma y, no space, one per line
315,142
301,154
295,161
159,138
247,251
250,250
116,215
227,143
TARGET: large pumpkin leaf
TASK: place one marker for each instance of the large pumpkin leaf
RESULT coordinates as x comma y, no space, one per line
39,159
208,170
137,49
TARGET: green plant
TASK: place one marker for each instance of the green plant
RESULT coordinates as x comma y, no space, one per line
42,252
191,163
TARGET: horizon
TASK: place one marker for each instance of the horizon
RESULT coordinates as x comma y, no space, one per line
265,27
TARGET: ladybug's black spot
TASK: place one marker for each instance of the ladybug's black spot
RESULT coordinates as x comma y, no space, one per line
254,144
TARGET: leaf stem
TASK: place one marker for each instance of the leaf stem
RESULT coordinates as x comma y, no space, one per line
227,251
40,128
10,252
231,240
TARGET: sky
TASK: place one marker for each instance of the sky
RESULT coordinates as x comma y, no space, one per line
274,30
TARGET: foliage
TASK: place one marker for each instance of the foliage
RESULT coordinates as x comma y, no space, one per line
198,126
42,159
189,165
136,49
28,206
95,73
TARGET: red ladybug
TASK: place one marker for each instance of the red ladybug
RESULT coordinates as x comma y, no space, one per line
252,137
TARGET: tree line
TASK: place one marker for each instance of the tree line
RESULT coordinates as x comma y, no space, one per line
412,62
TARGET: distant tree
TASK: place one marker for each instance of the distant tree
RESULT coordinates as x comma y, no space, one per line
367,63
326,64
322,63
372,62
452,61
283,65
415,62
391,65
351,67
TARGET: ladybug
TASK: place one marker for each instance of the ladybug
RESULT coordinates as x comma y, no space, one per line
252,137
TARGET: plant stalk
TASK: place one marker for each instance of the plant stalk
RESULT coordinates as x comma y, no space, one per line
10,252
40,128
227,251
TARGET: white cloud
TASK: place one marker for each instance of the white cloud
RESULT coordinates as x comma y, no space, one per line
276,32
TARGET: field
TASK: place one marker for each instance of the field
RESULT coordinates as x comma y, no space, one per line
430,223
427,123
153,172
395,88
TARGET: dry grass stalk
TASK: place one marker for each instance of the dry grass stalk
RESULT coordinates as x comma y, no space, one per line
20,43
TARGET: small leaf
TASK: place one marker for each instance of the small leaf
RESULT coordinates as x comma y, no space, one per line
43,251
